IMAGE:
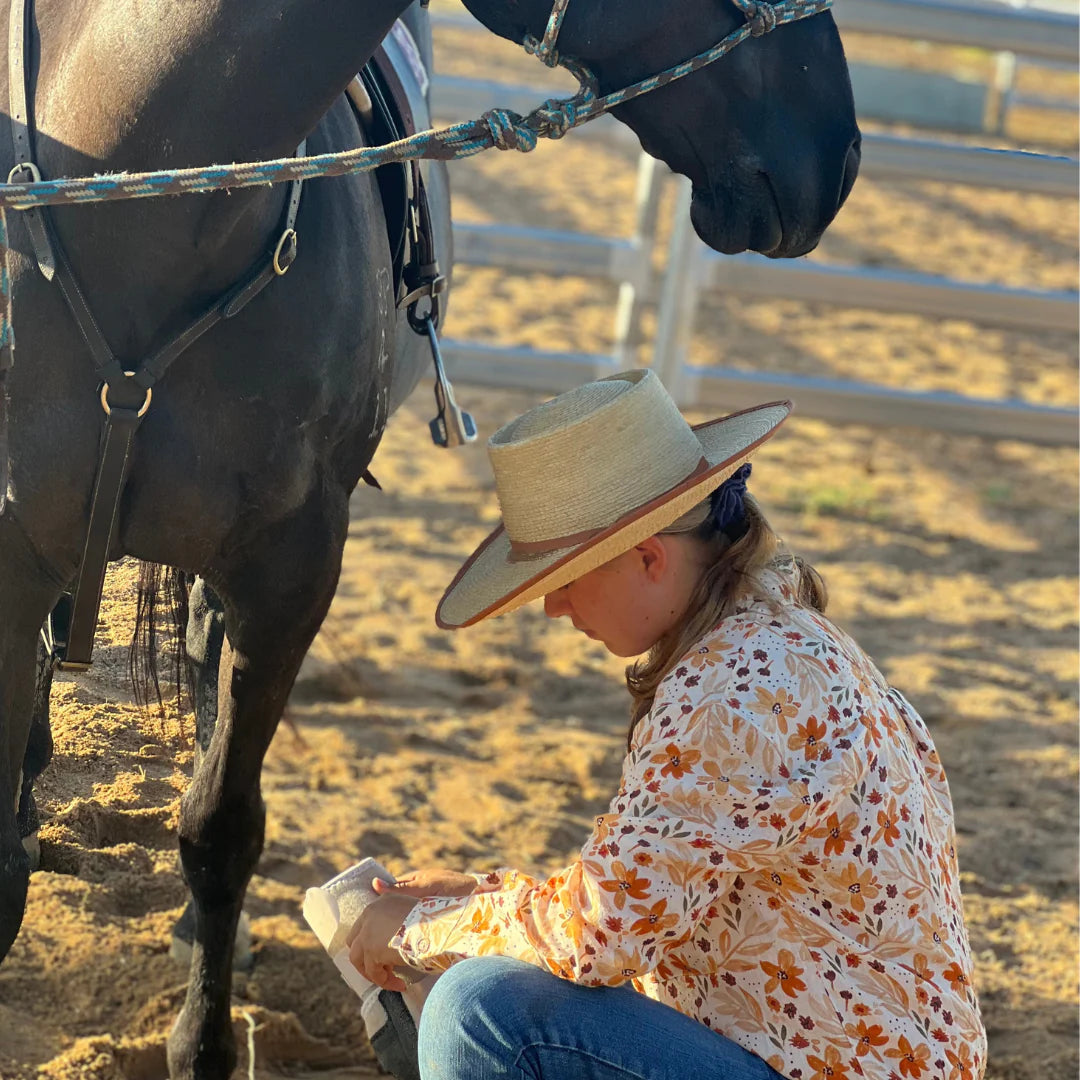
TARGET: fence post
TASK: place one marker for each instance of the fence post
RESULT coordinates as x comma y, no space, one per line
632,293
678,299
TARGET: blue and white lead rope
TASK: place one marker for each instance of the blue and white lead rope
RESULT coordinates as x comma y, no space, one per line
499,128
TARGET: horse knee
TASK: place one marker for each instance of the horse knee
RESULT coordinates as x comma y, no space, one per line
219,846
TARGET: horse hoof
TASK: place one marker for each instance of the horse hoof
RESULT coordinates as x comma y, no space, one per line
32,847
243,959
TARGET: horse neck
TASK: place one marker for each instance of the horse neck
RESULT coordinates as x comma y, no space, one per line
125,84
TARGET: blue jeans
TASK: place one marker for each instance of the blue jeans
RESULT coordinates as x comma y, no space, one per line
495,1018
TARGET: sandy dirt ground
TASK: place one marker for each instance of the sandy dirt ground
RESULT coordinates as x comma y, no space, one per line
954,560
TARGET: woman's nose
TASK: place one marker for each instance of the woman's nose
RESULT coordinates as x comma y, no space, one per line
556,604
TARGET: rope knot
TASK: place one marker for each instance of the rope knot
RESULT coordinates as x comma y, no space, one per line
509,131
554,118
762,18
544,51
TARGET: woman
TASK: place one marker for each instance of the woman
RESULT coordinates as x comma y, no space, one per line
776,877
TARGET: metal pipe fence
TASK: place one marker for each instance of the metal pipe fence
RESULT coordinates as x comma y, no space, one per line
692,270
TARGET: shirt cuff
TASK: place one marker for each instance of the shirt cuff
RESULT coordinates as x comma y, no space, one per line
426,928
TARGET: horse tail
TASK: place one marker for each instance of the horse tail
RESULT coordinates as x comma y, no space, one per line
158,582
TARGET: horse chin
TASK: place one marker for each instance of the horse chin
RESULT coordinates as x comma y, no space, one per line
730,229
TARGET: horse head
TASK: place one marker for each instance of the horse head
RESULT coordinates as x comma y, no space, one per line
766,134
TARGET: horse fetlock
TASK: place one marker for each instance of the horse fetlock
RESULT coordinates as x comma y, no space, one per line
32,846
14,882
200,1048
183,941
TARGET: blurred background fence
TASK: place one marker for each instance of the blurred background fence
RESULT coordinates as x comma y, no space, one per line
937,124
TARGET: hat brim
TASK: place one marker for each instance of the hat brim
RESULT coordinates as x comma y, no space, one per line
494,581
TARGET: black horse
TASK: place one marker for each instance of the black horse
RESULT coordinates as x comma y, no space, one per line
242,470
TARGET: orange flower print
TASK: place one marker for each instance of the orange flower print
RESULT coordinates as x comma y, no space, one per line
678,762
807,738
653,920
962,1065
625,883
887,829
783,974
921,968
779,882
574,926
626,962
911,1061
859,1009
831,1068
868,1037
781,705
481,920
724,776
860,887
837,834
935,931
957,978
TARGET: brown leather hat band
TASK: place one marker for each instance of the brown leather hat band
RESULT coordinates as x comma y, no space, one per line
523,550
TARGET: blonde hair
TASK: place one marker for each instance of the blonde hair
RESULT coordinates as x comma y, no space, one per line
732,567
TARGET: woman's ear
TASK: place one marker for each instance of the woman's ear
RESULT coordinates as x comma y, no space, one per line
655,558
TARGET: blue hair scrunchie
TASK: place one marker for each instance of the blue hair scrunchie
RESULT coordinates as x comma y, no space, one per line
728,507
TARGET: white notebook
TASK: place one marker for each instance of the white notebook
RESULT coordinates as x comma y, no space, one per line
332,909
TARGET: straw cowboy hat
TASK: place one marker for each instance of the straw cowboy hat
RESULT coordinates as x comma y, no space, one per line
586,477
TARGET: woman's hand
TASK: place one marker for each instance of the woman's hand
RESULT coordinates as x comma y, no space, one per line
369,940
434,882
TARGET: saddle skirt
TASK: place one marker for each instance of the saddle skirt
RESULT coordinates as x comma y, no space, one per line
390,98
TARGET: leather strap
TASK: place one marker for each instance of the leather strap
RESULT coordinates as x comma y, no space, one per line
123,421
108,368
3,437
108,488
237,298
25,168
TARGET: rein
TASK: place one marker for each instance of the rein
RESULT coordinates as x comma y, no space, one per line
502,129
126,395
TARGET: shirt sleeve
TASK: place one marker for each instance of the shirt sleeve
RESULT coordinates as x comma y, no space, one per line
709,788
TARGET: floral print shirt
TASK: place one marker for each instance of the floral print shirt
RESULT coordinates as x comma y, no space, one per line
779,863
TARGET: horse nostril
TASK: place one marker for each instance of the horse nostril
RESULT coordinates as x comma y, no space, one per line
851,170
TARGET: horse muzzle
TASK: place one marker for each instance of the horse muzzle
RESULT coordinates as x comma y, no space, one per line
781,219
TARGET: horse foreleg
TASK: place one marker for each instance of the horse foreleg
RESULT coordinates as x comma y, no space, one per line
274,600
25,599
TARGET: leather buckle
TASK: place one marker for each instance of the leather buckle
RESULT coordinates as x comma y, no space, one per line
28,166
433,288
285,252
105,397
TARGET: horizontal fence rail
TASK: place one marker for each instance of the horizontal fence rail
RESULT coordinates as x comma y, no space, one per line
893,290
841,400
1048,35
544,251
